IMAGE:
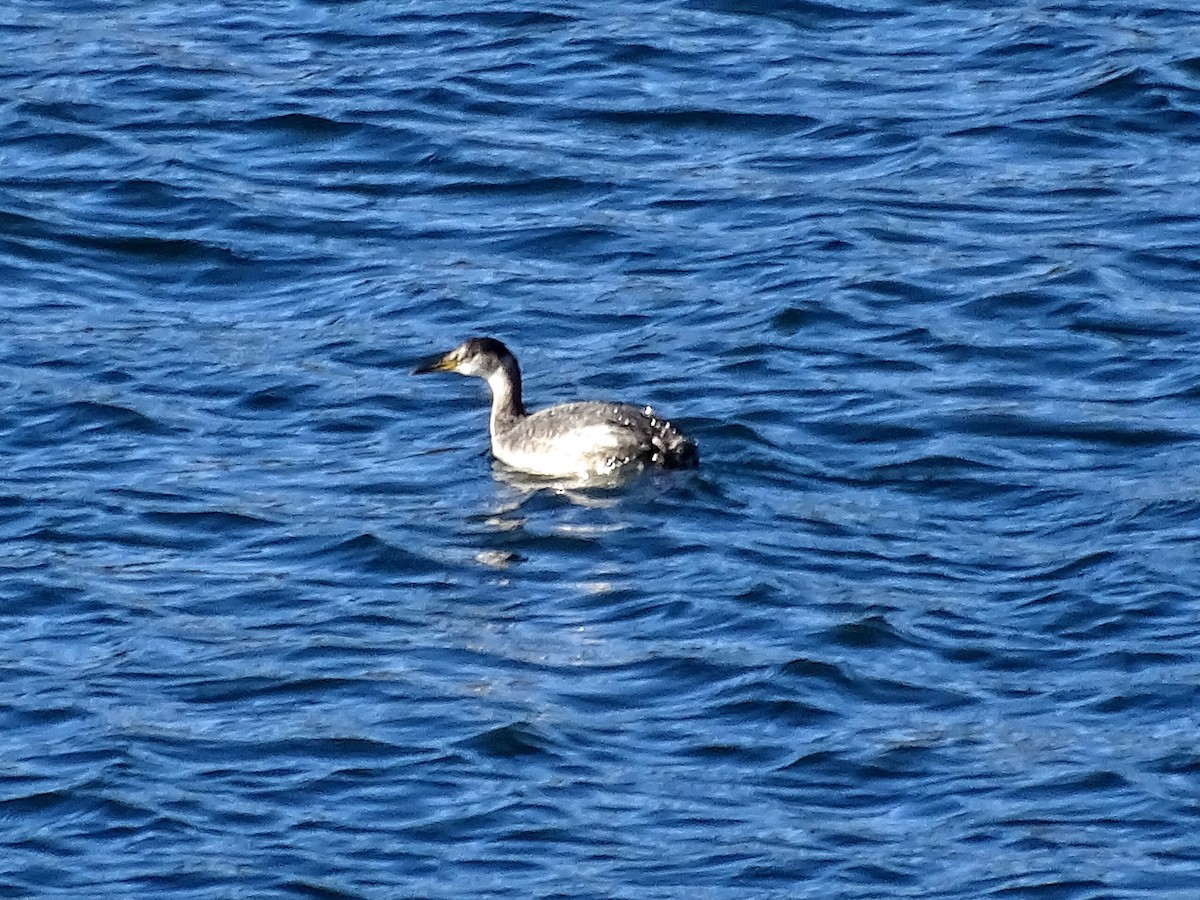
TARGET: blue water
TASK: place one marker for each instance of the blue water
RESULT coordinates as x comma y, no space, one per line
921,278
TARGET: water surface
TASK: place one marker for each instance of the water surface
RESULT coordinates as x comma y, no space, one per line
919,278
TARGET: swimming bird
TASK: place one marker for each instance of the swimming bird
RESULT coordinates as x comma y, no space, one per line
580,439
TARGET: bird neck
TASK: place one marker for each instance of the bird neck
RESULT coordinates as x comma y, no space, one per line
505,383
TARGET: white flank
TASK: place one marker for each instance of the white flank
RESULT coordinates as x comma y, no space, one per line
581,451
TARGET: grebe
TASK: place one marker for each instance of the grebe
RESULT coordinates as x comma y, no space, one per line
570,439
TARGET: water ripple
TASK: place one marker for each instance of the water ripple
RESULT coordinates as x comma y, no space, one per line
919,279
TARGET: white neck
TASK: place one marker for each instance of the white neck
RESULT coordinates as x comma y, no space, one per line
505,384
